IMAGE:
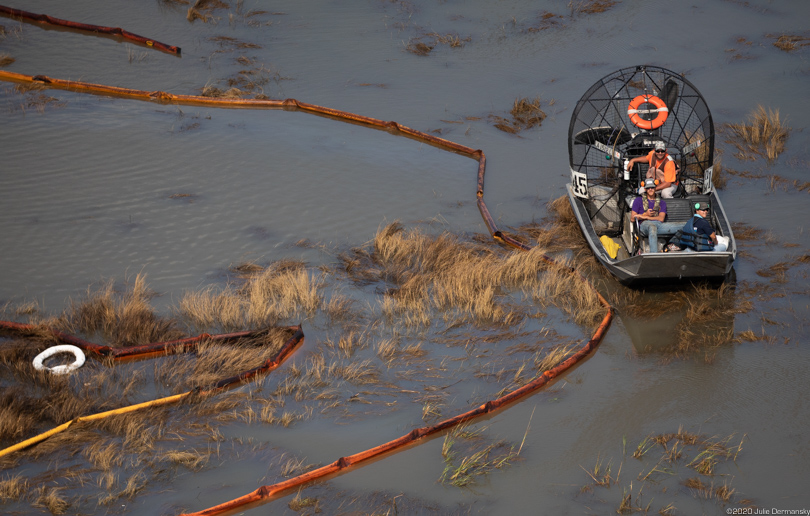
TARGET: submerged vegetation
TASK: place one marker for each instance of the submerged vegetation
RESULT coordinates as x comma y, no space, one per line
663,463
481,457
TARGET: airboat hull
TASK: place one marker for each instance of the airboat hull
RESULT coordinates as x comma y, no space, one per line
652,268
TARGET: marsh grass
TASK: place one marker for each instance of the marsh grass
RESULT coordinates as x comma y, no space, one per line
282,290
126,444
547,359
121,318
299,503
526,114
105,454
136,483
51,499
600,474
419,47
431,411
191,459
481,456
678,450
341,308
202,9
467,279
560,233
424,44
348,343
467,292
764,134
13,488
789,42
293,467
590,6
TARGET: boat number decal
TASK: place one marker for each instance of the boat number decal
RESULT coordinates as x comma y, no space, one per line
707,180
692,146
607,150
579,184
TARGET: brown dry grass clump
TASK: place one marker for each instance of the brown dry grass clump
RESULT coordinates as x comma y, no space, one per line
282,290
764,134
49,498
6,59
452,40
424,44
13,488
201,10
427,272
416,46
562,234
591,6
526,113
789,42
121,318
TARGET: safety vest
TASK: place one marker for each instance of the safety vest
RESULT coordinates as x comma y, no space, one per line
692,239
645,203
666,158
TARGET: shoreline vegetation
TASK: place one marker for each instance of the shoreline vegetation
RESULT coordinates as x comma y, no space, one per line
400,314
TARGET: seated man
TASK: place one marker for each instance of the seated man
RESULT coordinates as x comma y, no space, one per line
698,234
650,211
662,168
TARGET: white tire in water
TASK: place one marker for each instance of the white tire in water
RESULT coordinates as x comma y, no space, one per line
60,369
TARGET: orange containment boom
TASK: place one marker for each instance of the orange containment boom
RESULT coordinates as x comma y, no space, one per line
172,346
96,29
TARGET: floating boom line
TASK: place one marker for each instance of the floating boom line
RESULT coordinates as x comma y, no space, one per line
269,492
85,27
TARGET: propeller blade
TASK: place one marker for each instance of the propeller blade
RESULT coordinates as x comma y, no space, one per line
670,94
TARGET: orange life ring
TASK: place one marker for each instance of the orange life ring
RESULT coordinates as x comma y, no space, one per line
660,108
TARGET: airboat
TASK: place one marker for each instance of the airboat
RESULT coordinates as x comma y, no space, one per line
621,117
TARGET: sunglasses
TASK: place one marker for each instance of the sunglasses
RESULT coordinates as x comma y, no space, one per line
660,151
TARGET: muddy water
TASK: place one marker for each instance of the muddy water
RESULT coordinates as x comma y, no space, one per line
98,189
